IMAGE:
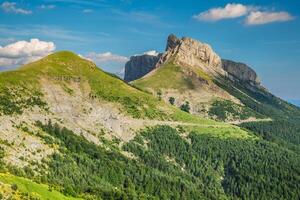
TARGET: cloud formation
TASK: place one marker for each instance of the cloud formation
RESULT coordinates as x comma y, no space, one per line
87,10
151,53
257,17
254,14
23,52
229,11
106,57
11,7
47,7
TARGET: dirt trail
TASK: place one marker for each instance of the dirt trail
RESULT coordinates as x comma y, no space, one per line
251,119
175,123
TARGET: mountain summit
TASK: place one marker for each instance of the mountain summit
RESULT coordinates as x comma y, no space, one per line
190,71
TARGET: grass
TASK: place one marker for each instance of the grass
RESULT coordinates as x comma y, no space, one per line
172,76
181,116
33,189
168,76
229,132
63,67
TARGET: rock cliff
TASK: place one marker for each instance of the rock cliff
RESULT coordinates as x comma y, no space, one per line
240,71
190,52
140,65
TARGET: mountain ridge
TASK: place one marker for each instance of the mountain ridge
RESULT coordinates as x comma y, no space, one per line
70,130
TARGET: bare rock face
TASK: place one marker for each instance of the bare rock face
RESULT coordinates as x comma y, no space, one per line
190,52
240,71
173,41
140,65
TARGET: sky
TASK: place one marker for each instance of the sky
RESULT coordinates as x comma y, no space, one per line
263,34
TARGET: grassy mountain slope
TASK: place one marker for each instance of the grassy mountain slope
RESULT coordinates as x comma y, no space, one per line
66,124
284,129
14,187
186,83
68,66
258,110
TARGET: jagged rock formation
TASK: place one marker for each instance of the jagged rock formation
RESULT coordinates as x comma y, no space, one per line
190,70
190,52
240,71
140,65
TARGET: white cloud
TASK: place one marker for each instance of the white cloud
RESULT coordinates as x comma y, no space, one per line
106,57
11,7
151,53
87,10
229,11
258,17
47,7
22,52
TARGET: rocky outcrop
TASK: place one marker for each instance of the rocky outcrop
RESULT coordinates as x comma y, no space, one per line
190,52
140,65
240,71
173,41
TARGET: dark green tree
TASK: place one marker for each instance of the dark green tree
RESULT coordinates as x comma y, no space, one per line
172,100
185,107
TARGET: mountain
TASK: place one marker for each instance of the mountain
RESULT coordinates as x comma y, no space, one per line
72,131
190,71
140,65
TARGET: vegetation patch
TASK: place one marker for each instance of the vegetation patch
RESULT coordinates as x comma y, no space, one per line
22,188
227,110
242,169
15,100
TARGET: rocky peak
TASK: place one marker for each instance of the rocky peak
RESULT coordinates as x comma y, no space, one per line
172,42
189,52
140,65
240,71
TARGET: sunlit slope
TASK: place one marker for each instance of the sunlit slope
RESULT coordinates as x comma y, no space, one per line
20,89
14,187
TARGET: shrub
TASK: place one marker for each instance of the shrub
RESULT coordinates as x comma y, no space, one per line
14,187
172,100
185,107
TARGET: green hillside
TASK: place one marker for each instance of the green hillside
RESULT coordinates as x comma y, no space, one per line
174,155
24,82
171,76
13,187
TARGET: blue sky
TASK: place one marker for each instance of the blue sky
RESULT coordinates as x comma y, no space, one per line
263,34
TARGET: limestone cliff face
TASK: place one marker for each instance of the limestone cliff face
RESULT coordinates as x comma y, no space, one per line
140,65
240,71
190,52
